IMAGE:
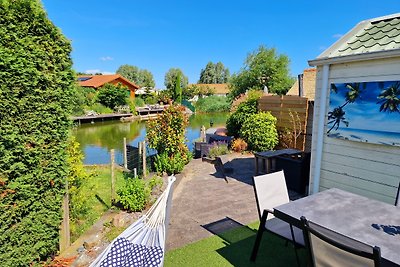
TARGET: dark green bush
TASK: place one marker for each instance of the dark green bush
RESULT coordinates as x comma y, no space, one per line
112,96
237,118
259,131
134,195
213,104
36,89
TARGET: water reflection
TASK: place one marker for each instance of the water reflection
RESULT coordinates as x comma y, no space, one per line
98,139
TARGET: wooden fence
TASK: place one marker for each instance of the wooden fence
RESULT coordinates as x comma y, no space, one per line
292,115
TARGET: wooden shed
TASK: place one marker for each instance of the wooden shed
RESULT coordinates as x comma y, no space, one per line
356,124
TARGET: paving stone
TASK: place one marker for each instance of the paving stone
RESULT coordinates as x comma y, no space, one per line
201,198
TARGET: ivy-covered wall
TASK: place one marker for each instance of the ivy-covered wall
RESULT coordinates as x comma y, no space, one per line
36,86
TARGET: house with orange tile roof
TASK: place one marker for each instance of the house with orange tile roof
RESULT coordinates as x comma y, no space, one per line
97,81
218,89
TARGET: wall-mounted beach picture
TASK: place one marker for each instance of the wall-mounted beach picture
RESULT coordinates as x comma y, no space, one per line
366,112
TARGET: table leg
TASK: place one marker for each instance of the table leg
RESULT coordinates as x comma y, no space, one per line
268,165
263,165
256,163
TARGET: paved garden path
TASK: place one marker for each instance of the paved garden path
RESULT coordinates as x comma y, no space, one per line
202,196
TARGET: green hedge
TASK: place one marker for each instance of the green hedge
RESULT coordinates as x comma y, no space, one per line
36,88
213,104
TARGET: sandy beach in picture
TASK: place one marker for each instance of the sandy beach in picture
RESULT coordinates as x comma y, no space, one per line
374,137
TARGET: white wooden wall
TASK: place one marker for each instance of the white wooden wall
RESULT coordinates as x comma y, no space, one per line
367,169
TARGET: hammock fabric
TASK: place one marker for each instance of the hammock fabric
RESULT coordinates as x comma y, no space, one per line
143,242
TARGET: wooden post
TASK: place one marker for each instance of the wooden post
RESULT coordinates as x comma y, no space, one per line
65,238
144,158
135,172
112,176
125,155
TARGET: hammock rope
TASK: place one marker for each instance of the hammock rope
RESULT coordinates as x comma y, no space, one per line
148,231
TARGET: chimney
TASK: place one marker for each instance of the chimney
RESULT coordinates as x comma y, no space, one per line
301,89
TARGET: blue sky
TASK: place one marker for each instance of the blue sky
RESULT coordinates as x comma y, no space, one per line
159,35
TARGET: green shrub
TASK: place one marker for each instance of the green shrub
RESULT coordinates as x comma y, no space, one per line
112,96
150,99
237,118
154,182
139,102
218,149
132,106
254,94
259,131
78,181
213,104
134,195
166,134
83,98
100,109
170,164
36,92
164,96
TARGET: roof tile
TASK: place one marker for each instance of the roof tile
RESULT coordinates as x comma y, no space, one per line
99,80
376,36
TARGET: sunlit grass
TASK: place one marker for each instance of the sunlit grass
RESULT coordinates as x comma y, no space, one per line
99,197
233,248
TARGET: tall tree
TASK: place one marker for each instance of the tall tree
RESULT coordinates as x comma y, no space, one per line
141,77
37,84
214,73
178,89
263,67
170,79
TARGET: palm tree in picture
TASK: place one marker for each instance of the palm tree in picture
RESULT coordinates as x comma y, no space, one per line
336,117
355,90
389,98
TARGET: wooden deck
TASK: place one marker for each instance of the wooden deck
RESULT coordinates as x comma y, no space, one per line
102,117
143,113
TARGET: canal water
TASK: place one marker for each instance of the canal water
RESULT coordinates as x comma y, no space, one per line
96,140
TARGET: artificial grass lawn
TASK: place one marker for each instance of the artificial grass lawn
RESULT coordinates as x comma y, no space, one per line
99,197
233,248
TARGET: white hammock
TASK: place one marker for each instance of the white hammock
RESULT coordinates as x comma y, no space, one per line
143,242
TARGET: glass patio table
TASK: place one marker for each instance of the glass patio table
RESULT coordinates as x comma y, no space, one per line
366,220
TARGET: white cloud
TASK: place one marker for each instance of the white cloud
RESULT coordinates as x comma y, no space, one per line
107,58
107,72
337,35
92,71
98,71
